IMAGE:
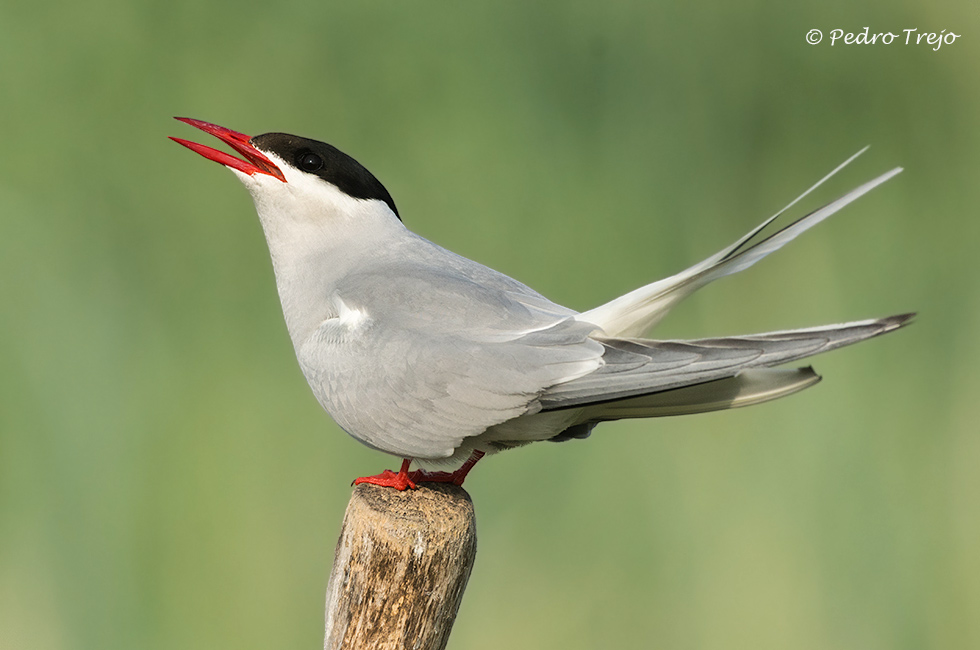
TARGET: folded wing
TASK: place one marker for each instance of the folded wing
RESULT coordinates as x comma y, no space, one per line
636,367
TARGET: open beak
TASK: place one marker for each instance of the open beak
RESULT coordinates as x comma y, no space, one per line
255,163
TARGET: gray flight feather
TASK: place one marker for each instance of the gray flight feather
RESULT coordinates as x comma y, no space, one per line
635,366
748,387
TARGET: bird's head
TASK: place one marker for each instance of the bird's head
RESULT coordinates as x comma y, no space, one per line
298,180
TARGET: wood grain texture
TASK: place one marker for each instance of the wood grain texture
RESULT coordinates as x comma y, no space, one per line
400,568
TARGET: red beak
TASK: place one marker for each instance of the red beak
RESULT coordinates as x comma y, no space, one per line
256,162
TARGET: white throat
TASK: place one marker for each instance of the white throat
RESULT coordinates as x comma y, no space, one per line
316,235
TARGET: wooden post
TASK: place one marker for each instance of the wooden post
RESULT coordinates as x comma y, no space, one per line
400,568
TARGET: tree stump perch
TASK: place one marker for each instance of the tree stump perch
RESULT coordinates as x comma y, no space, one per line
400,568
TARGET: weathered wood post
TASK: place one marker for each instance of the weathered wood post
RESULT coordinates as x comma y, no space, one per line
400,568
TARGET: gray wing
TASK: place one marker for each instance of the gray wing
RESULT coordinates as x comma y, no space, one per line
423,358
633,367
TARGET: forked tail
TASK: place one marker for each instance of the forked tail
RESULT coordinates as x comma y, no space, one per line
636,312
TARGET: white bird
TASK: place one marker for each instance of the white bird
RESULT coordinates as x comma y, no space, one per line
429,356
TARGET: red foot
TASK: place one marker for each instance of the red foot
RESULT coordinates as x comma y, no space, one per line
456,478
400,481
424,476
404,479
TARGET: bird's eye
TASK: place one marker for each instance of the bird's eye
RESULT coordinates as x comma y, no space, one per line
310,162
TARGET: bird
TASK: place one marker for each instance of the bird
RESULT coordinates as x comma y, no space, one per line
436,359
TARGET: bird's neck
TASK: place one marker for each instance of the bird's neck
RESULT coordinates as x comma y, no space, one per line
310,259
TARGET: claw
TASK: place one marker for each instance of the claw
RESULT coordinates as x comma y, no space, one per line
400,481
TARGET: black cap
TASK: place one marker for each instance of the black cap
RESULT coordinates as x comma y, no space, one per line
327,162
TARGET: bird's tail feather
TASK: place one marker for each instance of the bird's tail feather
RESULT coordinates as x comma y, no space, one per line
636,312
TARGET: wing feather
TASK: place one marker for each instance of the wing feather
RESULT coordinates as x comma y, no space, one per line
436,358
625,375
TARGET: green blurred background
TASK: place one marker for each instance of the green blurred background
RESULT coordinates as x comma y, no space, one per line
167,479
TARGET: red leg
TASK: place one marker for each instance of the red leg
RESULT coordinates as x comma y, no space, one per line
456,478
388,478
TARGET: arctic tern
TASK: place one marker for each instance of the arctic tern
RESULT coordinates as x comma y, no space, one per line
429,356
